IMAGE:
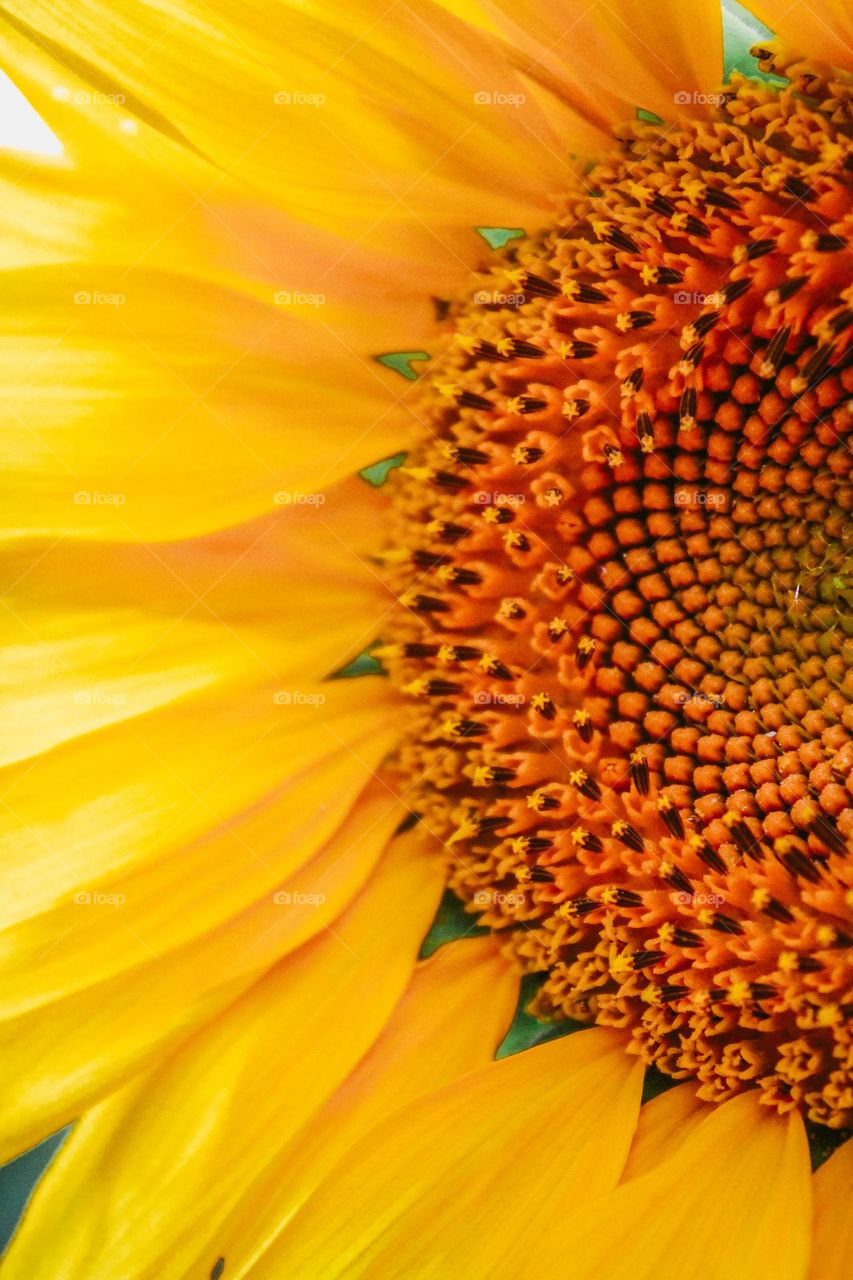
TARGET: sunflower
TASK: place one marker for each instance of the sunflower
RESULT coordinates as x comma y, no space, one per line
490,358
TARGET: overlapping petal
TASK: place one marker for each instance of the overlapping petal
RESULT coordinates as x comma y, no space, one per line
467,1181
372,103
450,1021
832,1244
733,1202
153,1168
634,53
823,31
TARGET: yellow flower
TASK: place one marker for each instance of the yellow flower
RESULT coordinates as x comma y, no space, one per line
219,295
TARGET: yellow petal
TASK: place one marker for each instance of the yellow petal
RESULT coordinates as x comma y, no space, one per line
664,1124
100,631
465,1182
149,1170
832,1245
128,849
733,1202
450,1021
631,54
823,31
371,104
153,407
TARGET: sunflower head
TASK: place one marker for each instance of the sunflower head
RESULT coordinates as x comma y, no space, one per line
625,611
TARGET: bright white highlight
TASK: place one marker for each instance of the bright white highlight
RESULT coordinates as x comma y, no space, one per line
21,126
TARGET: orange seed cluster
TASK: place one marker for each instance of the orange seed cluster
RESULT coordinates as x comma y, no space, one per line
625,590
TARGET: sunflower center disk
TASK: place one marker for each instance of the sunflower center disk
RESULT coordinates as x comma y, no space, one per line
625,591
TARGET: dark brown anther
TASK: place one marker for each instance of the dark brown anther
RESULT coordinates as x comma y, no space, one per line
469,457
759,249
672,991
824,827
719,199
686,938
735,289
642,959
429,604
725,924
470,400
673,820
539,288
448,480
661,205
452,532
639,771
442,689
541,875
777,911
526,350
416,650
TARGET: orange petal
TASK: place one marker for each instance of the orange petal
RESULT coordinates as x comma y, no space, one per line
628,55
832,1247
733,1202
664,1124
823,31
467,1181
450,1021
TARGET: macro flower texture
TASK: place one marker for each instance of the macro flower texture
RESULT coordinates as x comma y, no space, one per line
428,780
